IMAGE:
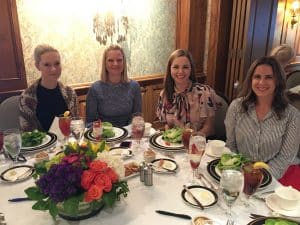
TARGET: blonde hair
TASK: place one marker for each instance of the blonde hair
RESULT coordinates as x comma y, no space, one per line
104,73
284,54
40,50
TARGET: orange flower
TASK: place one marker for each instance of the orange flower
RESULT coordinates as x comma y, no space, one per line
93,193
98,165
87,178
112,175
103,180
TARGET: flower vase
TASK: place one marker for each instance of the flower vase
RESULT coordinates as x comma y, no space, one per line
85,211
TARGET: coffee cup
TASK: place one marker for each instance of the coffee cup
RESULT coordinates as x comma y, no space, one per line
147,128
216,147
288,198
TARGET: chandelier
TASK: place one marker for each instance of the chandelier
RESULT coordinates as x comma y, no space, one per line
109,27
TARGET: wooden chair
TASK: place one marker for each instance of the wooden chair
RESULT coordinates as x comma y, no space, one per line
9,113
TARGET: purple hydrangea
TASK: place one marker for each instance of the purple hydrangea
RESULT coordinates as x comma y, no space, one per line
61,182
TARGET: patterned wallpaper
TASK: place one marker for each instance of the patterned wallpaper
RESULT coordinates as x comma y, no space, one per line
69,28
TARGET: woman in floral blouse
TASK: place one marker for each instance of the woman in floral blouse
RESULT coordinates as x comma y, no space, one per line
184,102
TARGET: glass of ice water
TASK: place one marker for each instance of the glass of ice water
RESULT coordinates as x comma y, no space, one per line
12,143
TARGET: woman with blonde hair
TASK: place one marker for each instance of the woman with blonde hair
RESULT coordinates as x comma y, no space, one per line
114,98
284,54
46,98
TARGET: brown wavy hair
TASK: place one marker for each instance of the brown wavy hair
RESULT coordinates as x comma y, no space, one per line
280,100
169,83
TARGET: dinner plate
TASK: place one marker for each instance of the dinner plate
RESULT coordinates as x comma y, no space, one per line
205,195
120,134
17,173
157,142
261,221
152,131
123,152
164,165
216,173
47,142
271,202
209,152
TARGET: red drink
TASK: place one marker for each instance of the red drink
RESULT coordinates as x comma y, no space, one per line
186,134
137,132
252,179
97,129
194,165
64,125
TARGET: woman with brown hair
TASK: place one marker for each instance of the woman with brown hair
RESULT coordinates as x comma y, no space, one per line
184,102
261,124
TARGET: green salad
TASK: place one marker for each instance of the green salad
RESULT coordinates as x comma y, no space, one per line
33,138
107,130
279,222
173,135
231,161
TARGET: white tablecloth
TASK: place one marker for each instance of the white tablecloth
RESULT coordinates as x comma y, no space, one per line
140,205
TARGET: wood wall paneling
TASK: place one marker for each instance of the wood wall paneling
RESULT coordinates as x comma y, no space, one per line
12,73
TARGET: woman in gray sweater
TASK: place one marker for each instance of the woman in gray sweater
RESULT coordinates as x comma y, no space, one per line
114,98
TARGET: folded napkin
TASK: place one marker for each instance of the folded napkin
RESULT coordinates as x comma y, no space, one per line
291,177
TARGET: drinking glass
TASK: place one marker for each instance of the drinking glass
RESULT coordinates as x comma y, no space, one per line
77,128
252,180
231,184
137,128
196,151
2,154
12,143
64,123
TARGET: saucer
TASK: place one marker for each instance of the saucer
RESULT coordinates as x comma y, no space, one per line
271,201
216,155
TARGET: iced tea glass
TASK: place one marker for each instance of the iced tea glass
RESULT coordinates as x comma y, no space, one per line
64,123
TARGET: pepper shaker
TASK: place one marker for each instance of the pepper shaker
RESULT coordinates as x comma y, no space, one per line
148,173
142,172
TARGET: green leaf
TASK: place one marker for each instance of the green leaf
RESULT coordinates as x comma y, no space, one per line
71,204
53,209
34,193
41,205
109,198
102,146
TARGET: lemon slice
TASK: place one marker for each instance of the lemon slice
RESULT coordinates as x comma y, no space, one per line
260,165
66,113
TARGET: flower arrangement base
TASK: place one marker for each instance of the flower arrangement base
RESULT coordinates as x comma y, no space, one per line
85,212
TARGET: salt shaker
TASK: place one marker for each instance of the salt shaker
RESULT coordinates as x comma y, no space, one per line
142,172
148,173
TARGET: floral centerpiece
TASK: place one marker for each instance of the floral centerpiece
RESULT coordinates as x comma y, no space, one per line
78,182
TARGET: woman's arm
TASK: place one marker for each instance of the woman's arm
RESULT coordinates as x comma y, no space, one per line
91,106
208,127
230,123
137,98
289,147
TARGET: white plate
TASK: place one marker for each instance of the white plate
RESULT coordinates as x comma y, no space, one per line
152,131
17,173
167,166
210,153
120,134
48,141
123,152
271,201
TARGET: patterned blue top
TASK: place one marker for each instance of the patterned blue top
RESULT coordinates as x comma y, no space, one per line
113,103
272,140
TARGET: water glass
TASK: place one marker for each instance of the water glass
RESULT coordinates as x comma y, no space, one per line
77,128
137,128
12,143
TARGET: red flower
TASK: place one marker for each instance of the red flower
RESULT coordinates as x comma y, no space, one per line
103,180
71,158
112,175
98,165
87,178
93,193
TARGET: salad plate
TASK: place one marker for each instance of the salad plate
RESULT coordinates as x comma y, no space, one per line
157,142
123,152
205,195
271,202
262,221
17,173
164,165
48,142
120,134
216,173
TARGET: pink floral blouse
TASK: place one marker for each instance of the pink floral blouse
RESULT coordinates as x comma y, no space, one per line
189,108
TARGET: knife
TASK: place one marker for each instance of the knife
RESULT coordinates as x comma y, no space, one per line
183,216
19,199
195,199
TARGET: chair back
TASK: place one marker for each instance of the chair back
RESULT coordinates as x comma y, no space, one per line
219,126
9,113
293,79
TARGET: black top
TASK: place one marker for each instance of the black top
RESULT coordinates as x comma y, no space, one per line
50,104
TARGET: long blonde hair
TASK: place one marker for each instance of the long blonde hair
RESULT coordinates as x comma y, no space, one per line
104,73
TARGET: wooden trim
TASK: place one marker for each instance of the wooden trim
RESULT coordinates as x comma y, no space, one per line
183,24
